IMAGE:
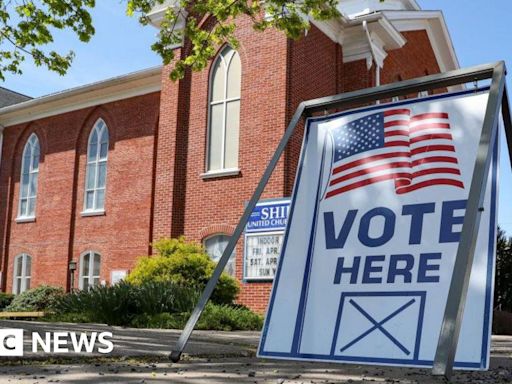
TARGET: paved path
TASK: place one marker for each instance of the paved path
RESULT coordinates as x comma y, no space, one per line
213,357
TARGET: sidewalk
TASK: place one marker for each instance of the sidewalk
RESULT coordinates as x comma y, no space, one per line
140,356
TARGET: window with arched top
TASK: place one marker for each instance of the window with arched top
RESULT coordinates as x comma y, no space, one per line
22,273
224,111
215,246
90,263
29,176
96,172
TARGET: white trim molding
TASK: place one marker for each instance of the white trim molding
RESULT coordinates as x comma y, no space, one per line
117,88
220,173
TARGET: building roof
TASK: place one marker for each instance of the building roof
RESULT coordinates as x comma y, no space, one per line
116,88
8,97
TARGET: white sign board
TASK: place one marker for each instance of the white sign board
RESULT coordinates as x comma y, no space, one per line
264,236
261,254
117,276
372,237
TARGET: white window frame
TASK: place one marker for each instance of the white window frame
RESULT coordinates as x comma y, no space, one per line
31,145
224,101
22,282
232,258
99,127
91,276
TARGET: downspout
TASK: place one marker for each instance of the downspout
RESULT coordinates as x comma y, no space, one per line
372,50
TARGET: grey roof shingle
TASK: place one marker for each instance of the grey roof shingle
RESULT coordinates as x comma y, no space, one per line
8,97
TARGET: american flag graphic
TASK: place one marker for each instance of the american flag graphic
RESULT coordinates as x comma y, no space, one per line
416,151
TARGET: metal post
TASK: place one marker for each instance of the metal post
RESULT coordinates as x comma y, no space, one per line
507,122
454,310
430,82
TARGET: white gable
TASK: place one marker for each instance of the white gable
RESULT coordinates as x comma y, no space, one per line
354,8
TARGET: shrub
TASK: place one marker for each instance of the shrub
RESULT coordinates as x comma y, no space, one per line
42,298
160,320
5,299
186,264
214,317
67,318
228,318
121,303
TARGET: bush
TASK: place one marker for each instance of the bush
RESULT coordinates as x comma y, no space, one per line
42,298
5,299
228,318
121,303
214,317
186,264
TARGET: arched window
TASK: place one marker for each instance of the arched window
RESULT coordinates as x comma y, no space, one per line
29,175
22,273
215,246
224,111
96,173
90,263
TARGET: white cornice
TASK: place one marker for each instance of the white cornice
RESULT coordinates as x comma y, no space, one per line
117,88
383,35
333,29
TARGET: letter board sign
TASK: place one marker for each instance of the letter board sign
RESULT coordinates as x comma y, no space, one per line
373,231
264,236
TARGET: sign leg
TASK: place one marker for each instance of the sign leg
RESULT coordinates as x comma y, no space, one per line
454,311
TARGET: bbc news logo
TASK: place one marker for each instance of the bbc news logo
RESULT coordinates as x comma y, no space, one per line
11,342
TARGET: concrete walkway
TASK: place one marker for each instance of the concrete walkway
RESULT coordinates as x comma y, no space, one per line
140,356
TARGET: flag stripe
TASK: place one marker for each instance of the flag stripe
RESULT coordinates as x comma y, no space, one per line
435,115
429,183
433,136
432,171
434,159
392,112
432,148
397,144
394,123
396,133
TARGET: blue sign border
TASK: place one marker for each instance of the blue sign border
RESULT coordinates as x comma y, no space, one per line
492,234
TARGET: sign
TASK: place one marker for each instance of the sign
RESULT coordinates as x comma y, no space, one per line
375,222
268,216
263,239
117,276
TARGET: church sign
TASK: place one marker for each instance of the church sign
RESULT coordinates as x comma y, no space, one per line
264,238
377,211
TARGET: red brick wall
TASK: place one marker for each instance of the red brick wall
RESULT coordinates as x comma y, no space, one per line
415,59
60,233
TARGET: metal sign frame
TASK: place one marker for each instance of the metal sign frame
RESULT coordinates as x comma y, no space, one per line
454,310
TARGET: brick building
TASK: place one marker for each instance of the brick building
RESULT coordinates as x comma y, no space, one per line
93,174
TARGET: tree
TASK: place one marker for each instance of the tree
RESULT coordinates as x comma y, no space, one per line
503,286
27,27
